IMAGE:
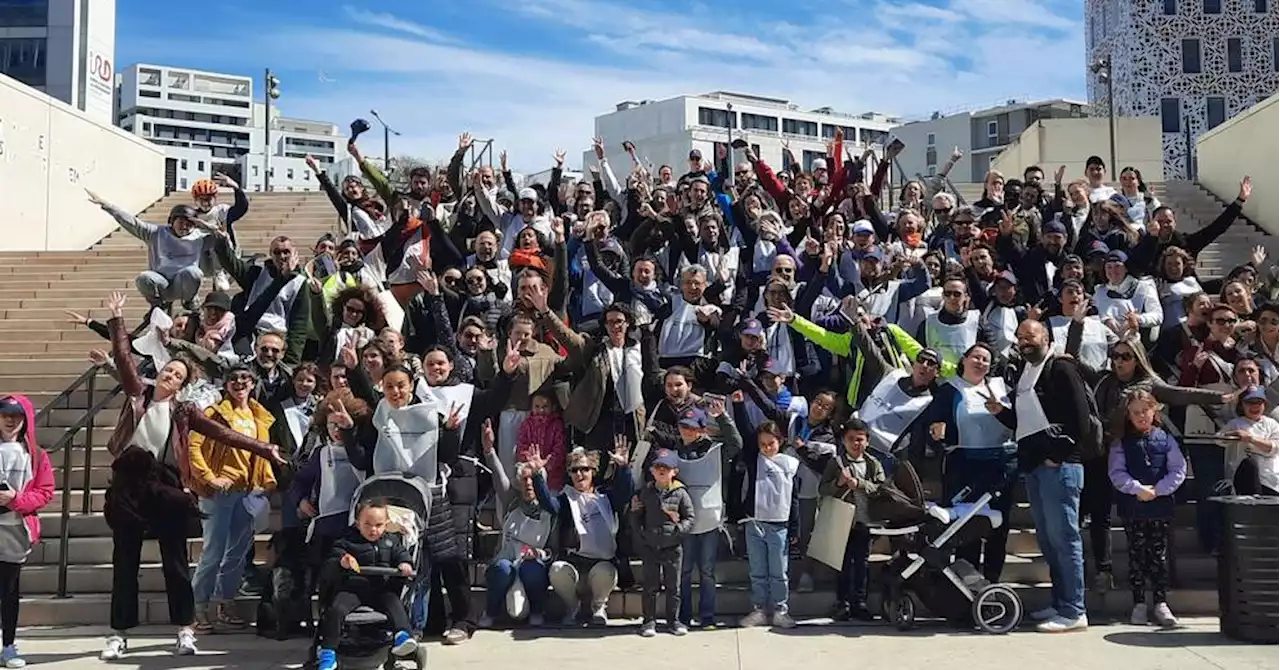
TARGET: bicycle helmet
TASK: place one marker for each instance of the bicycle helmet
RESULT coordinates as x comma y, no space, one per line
205,188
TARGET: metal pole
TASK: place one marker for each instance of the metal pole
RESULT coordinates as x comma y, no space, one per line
91,387
266,152
1111,120
728,148
386,148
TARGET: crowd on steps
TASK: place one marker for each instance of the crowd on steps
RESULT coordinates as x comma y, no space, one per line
646,366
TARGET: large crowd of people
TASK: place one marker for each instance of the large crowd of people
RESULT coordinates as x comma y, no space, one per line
633,367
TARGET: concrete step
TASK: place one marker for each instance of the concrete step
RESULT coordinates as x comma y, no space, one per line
731,602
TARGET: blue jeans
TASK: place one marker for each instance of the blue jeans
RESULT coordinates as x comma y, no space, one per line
699,553
767,564
502,574
228,530
1054,494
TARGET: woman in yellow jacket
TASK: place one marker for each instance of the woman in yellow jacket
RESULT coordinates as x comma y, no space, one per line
232,486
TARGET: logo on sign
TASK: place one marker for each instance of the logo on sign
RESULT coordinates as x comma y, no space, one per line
101,74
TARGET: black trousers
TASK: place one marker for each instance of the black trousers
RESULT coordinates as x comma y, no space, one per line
354,592
1096,501
126,558
851,584
661,567
1148,558
10,592
450,579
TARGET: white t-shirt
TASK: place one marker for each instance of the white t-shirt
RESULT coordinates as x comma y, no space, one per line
1266,429
1031,417
153,430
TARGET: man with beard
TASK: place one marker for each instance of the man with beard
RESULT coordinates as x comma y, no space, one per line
365,217
1038,266
1050,417
273,298
1148,251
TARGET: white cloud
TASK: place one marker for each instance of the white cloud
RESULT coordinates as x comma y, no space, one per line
431,84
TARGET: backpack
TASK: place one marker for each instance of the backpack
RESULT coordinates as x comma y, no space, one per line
1092,444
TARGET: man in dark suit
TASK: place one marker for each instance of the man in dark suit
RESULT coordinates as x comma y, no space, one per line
1050,414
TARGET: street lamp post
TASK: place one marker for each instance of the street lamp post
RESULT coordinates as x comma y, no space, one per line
1102,69
387,132
271,84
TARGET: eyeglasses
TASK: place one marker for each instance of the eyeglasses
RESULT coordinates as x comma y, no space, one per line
1231,321
240,379
1124,356
354,310
580,470
953,294
784,271
620,321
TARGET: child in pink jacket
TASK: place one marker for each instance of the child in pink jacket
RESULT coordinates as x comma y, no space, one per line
26,487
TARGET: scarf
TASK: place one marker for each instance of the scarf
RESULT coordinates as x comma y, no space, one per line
546,433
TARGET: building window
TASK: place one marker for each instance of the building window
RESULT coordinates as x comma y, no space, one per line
931,170
255,170
931,156
148,94
810,156
993,132
759,122
1260,6
146,126
794,127
1191,56
1234,61
288,174
1215,110
182,183
1170,115
720,118
23,58
1212,6
306,176
24,13
930,139
200,166
184,164
1171,7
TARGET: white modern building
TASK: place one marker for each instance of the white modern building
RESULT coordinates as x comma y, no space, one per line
65,48
1193,63
665,131
209,123
980,134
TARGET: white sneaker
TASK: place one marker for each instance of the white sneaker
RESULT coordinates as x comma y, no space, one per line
115,649
1044,614
756,618
804,584
1164,616
1138,616
186,643
11,658
1061,624
600,616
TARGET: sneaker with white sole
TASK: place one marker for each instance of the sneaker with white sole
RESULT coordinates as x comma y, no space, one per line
782,620
1164,616
186,645
404,644
1138,616
9,656
115,648
600,616
1043,614
1061,624
678,629
757,617
648,629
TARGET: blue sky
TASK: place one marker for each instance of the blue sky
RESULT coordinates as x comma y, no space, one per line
534,73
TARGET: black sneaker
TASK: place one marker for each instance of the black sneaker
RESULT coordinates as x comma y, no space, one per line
861,613
840,612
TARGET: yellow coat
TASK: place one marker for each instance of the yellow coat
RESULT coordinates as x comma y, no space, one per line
211,459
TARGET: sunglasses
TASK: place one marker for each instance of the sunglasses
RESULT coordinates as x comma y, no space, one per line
580,470
1123,356
1225,322
929,362
941,210
616,322
240,379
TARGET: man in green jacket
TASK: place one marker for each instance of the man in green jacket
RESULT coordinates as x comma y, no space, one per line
274,296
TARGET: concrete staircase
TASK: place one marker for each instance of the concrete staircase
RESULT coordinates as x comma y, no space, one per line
41,355
1196,208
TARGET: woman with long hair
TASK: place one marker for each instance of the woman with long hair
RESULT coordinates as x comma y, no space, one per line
150,490
26,487
1175,280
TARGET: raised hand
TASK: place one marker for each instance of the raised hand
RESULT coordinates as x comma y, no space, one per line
598,144
487,342
511,361
311,163
715,407
621,450
535,458
956,154
559,157
502,160
429,282
1258,256
224,180
98,357
1246,189
781,314
1006,223
115,304
350,357
454,419
487,438
464,141
94,198
537,298
1059,174
339,415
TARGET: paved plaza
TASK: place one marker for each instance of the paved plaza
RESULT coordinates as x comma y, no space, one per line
1196,646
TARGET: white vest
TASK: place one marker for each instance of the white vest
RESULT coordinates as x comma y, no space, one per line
682,334
595,522
703,476
299,418
520,528
339,480
978,428
1004,326
363,226
445,398
775,479
882,302
889,411
407,440
1171,295
951,341
276,317
406,272
1094,340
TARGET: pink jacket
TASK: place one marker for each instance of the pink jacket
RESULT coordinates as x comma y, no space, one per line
38,492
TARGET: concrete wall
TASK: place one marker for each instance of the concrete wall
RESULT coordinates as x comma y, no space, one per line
1244,145
49,153
1050,143
948,133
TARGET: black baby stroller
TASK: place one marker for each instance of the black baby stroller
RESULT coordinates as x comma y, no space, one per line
367,637
921,567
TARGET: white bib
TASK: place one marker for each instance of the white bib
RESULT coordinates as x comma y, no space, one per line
339,480
703,476
889,411
407,440
521,528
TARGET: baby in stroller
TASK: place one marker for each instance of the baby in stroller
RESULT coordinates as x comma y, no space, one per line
924,537
370,573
